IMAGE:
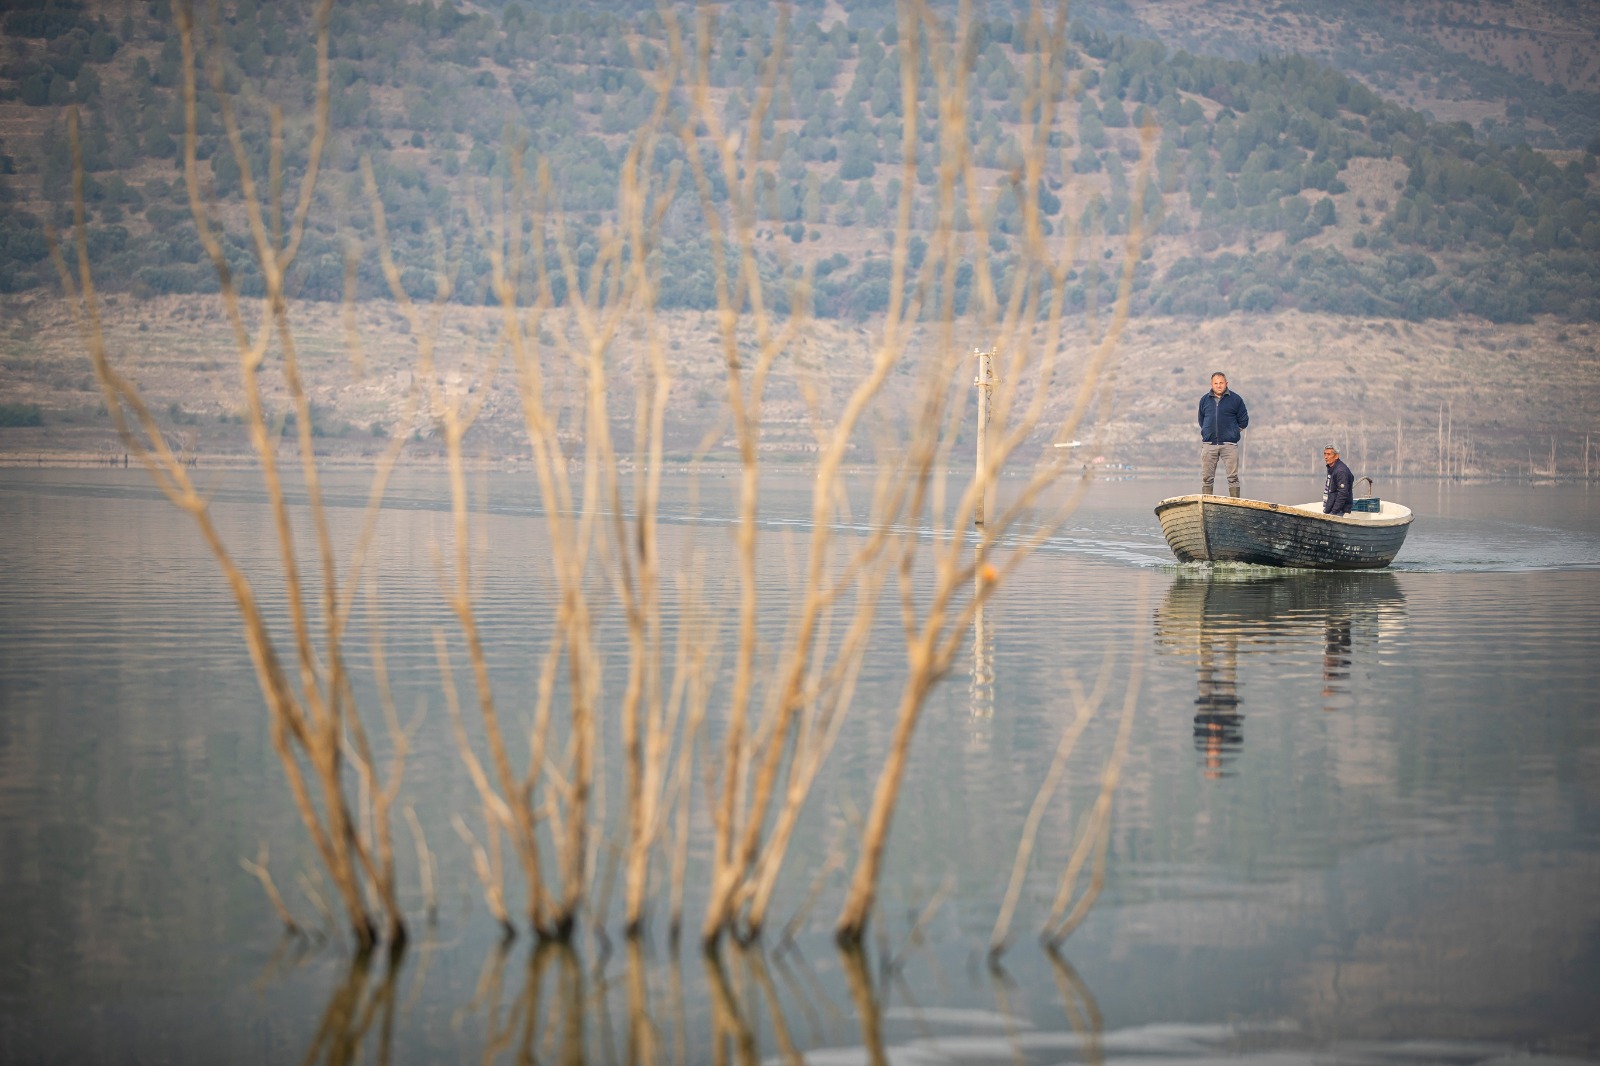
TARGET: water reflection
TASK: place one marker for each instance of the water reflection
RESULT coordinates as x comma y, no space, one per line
1083,1012
981,680
1434,875
741,1004
1336,658
360,1013
1213,616
982,684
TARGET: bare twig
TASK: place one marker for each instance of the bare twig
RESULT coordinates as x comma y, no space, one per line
999,939
259,871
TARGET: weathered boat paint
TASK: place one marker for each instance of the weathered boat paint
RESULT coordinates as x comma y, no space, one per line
1220,529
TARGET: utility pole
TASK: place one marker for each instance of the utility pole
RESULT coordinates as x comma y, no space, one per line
985,382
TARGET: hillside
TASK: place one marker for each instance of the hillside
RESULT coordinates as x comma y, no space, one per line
1516,70
1280,183
1425,291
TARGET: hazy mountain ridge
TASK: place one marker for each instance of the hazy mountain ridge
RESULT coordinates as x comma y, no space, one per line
1255,199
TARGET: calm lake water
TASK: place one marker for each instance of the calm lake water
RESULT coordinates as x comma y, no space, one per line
1359,819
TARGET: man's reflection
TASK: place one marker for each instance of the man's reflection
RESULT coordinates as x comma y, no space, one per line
1218,725
1336,659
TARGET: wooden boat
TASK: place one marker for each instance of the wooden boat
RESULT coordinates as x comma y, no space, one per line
1220,529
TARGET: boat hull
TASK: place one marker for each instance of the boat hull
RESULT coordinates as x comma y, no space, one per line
1219,529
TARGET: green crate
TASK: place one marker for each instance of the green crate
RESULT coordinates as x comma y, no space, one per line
1369,504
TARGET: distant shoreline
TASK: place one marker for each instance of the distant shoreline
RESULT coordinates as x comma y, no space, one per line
69,459
1461,396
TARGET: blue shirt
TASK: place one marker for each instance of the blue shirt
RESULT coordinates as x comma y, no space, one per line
1337,489
1221,419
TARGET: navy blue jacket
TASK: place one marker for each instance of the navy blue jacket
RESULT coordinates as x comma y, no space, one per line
1338,489
1221,420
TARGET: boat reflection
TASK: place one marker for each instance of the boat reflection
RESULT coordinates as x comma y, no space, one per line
1214,616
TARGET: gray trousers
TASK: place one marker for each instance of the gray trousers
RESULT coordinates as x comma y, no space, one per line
1229,455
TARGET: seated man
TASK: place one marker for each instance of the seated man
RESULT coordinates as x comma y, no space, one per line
1338,489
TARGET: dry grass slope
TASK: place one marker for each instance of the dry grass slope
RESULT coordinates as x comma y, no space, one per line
1506,391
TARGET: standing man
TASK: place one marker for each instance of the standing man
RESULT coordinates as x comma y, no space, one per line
1222,417
1338,489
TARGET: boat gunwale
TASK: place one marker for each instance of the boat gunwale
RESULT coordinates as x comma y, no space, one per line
1292,510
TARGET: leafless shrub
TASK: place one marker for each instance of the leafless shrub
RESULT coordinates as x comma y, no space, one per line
541,793
309,697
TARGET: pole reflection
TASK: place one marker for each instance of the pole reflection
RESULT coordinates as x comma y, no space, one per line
1215,616
980,689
